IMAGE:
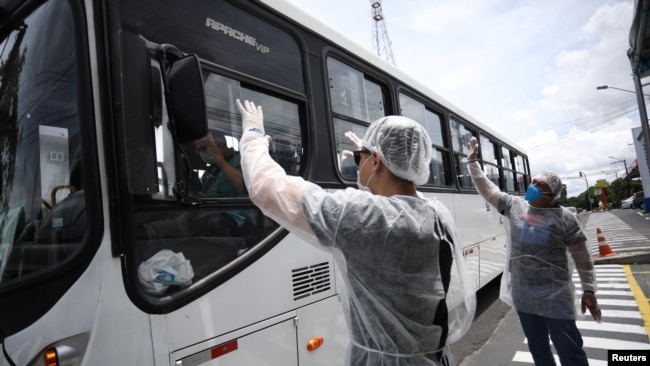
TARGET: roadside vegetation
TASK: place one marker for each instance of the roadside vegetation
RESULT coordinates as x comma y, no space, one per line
617,191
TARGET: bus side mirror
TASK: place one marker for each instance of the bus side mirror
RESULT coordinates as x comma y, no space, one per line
187,99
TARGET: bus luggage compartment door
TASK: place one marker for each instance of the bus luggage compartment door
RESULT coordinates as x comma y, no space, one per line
271,342
323,335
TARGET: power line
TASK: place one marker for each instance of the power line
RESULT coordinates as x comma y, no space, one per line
599,123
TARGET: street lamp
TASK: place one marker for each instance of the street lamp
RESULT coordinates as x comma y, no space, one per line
627,183
587,183
643,114
602,87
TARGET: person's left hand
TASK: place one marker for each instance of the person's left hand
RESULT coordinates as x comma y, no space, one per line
252,116
589,302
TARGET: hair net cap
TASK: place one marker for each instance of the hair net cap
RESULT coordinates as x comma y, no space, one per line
552,181
403,145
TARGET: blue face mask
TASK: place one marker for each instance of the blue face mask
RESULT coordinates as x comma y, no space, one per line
533,194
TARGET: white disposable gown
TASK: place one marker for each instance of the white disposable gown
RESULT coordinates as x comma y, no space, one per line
406,289
544,247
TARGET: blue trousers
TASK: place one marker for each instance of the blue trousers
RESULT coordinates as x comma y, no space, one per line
564,334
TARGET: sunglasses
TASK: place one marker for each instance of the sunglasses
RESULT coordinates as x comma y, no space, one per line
357,155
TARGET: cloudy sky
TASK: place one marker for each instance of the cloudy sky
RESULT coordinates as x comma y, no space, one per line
528,69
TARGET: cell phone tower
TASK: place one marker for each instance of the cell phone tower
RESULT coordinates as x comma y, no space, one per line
381,44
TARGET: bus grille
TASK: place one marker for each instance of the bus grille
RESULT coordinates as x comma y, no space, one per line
310,280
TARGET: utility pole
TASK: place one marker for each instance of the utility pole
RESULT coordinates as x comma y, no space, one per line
587,183
627,182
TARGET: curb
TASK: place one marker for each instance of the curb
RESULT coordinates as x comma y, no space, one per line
632,258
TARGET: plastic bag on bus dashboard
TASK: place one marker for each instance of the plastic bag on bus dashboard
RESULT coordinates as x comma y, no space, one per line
164,269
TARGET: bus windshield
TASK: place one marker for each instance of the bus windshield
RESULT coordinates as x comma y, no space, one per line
42,208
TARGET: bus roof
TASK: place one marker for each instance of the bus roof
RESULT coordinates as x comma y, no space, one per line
318,27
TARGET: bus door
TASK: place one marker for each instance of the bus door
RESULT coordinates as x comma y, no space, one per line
257,294
51,221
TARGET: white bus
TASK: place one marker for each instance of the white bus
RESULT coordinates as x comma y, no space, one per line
100,105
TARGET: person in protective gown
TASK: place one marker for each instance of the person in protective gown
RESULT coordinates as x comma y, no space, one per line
406,292
545,243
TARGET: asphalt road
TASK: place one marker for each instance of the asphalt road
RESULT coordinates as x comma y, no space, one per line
489,311
637,219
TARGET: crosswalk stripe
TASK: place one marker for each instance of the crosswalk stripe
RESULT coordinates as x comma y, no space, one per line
612,285
526,357
609,275
603,279
608,270
628,314
613,293
616,302
609,343
610,327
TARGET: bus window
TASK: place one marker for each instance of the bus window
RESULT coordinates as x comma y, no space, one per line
355,98
432,122
225,225
506,160
508,172
488,151
352,95
521,173
460,137
412,109
282,123
509,177
375,101
492,173
347,167
42,199
489,158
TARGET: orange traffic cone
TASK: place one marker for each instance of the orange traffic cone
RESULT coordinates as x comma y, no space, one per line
603,248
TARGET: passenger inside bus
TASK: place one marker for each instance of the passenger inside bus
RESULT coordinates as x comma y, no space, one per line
222,232
216,173
223,176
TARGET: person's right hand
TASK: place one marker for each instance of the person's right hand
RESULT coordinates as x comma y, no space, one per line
473,149
589,302
252,116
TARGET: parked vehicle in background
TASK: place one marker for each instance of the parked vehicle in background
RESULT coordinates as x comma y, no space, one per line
628,202
638,199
